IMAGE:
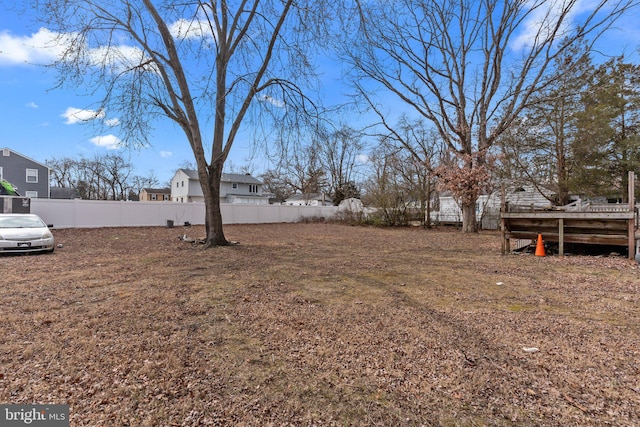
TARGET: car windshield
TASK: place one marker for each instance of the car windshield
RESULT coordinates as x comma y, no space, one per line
26,221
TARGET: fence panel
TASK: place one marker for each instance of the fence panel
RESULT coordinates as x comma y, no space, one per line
103,213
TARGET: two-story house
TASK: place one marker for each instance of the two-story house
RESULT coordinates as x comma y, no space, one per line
31,178
234,188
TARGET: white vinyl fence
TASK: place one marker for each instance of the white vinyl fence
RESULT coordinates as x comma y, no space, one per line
102,213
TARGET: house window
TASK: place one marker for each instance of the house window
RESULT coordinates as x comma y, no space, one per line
1,172
6,152
177,184
32,175
183,183
234,185
154,197
31,194
253,188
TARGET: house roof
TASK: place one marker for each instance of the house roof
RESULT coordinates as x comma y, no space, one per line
310,196
158,190
23,156
226,177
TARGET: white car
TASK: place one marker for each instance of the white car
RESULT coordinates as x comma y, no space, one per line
21,233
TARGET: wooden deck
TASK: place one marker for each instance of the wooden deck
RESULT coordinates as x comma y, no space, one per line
595,228
607,224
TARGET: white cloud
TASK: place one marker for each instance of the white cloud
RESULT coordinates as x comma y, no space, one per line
184,29
118,58
77,115
362,158
110,142
166,154
43,47
542,20
271,100
32,105
112,122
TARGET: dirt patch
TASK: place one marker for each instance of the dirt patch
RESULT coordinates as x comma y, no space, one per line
319,324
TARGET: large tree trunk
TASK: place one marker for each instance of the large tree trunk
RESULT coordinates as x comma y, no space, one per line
427,214
469,223
213,215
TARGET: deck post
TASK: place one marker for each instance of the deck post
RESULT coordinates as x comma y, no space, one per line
505,240
561,236
503,225
632,224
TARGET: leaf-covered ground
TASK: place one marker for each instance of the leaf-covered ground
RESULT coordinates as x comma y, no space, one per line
319,324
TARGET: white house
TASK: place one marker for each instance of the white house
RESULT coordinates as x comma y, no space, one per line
234,188
312,199
488,206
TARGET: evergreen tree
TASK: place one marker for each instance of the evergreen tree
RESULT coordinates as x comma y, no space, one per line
607,139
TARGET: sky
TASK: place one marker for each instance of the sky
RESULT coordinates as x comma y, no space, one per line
43,122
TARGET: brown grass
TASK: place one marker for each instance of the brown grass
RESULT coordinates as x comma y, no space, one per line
319,324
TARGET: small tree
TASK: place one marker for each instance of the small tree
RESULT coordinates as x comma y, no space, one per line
423,149
387,188
338,153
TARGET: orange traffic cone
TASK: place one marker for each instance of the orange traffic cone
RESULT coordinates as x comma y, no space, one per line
540,246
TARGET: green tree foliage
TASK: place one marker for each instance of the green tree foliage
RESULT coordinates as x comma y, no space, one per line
539,147
607,140
345,190
580,136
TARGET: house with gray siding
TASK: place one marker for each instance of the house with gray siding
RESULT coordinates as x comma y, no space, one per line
31,178
234,188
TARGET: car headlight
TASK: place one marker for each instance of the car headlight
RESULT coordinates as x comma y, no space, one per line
47,235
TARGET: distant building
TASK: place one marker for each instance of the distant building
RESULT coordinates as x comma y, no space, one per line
234,188
155,195
29,177
311,199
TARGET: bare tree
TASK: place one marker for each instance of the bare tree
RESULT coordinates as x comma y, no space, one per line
423,149
116,171
206,65
103,177
276,183
469,67
138,182
339,151
61,171
387,188
303,171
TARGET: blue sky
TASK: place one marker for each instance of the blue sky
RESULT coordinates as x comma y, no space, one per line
41,122
44,122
